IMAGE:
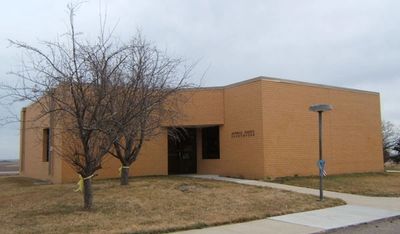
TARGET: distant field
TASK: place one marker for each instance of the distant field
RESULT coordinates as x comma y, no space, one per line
9,165
393,167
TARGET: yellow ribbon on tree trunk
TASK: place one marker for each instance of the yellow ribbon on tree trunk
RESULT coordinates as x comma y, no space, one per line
120,169
80,183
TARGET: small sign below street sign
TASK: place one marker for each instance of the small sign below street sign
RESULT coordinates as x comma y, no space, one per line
321,164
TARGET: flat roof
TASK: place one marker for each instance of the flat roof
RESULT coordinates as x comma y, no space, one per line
279,80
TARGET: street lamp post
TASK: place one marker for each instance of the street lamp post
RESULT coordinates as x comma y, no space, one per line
321,163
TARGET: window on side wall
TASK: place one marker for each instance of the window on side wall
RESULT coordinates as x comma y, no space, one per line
46,145
210,142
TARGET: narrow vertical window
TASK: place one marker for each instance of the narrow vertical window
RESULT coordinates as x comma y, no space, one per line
210,142
46,144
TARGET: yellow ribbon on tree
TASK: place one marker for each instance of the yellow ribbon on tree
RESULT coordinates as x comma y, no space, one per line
80,183
120,169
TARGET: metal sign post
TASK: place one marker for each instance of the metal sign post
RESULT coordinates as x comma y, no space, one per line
321,163
321,166
321,177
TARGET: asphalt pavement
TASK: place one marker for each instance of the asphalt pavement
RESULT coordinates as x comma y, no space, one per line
386,226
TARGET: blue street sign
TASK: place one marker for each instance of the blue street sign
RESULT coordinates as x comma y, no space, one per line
321,164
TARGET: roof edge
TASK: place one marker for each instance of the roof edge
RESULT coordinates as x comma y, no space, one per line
280,80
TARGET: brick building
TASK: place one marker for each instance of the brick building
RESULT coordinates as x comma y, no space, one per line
253,129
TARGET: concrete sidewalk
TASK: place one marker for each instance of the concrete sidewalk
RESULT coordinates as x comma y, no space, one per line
359,209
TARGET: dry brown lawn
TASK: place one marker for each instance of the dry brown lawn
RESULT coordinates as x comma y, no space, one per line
370,184
393,166
147,205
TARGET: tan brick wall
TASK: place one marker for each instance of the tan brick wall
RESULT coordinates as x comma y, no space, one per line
32,158
241,156
351,131
152,160
284,141
208,166
202,107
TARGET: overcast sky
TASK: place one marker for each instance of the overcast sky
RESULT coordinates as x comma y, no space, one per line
354,44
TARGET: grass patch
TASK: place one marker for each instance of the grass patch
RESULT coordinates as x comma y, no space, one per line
394,166
147,205
370,184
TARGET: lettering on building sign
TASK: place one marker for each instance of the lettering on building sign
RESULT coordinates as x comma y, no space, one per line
242,134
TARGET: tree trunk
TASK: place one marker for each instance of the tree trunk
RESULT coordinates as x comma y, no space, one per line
124,176
87,194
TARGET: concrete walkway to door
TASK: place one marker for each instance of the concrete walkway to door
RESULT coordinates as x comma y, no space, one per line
359,209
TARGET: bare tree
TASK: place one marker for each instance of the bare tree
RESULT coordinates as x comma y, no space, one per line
149,96
71,81
390,135
396,147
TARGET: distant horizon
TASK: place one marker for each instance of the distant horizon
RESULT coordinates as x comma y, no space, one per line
11,159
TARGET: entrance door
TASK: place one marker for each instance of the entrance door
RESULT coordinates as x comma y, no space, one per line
182,152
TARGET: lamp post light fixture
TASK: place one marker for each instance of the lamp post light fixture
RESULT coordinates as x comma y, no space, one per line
321,163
